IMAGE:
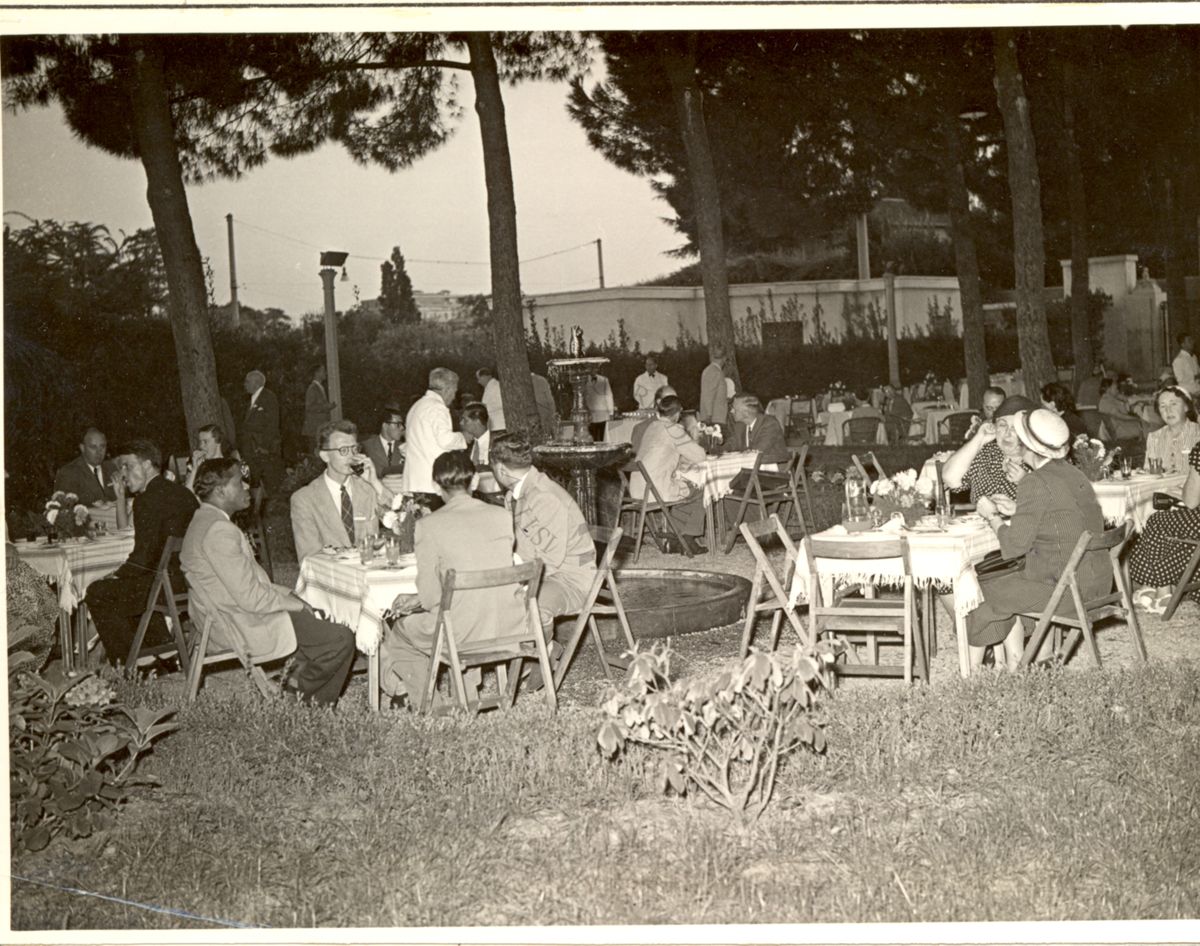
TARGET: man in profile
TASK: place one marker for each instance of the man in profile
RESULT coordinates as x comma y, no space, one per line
431,433
386,449
491,398
714,398
89,476
474,423
548,525
338,507
1185,366
162,509
258,437
271,621
665,450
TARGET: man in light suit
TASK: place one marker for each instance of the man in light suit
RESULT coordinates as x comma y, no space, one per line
317,407
665,449
338,507
431,432
271,621
714,401
465,535
258,437
89,476
548,525
386,448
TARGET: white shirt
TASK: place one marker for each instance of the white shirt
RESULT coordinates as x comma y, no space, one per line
254,396
430,434
1186,369
645,387
495,406
598,394
335,490
481,447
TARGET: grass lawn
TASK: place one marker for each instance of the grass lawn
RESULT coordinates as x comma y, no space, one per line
1072,794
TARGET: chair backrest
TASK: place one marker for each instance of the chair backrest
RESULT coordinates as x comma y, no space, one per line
861,430
650,494
1110,539
955,426
799,458
528,574
862,470
849,549
876,464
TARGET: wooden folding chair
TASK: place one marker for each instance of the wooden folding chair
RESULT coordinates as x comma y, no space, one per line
878,467
1187,580
765,577
862,470
165,600
585,619
955,508
767,492
800,484
865,620
953,427
1086,613
256,531
861,431
650,503
205,617
505,653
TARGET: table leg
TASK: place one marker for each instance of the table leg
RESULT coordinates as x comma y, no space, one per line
960,631
710,528
373,680
66,645
81,635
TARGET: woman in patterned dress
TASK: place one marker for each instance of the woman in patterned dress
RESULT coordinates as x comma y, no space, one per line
990,462
1157,562
1172,443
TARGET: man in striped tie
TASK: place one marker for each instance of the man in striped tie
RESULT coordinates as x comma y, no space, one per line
386,449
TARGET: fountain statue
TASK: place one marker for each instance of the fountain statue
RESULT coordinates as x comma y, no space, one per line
580,457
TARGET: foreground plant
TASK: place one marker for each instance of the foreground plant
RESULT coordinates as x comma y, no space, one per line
73,754
724,733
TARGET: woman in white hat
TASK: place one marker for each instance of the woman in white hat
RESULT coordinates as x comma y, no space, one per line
1055,503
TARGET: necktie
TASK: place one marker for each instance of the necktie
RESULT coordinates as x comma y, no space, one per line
347,514
749,427
99,476
391,453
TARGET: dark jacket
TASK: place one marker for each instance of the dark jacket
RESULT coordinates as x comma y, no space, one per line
259,433
766,436
77,477
162,510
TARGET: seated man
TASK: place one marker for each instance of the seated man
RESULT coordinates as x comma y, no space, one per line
897,414
665,451
548,525
464,535
474,423
864,407
338,507
755,430
89,476
272,621
993,397
385,449
162,509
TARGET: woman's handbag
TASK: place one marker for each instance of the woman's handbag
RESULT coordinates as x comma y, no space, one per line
1161,501
994,565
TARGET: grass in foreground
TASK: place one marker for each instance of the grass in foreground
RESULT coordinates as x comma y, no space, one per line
1049,795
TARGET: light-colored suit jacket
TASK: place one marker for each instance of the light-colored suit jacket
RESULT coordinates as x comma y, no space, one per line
430,434
216,558
466,535
714,401
317,520
665,448
550,526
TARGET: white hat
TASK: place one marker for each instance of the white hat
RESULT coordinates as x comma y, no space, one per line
1043,432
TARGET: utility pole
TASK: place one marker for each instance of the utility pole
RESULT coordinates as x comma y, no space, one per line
330,261
893,344
600,260
237,311
864,247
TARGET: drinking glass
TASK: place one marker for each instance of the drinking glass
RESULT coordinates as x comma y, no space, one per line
393,549
366,549
1126,468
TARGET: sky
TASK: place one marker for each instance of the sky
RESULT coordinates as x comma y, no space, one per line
566,195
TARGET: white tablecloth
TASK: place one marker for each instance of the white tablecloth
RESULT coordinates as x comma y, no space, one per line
106,514
620,430
834,420
75,563
781,408
355,594
716,473
1122,499
933,418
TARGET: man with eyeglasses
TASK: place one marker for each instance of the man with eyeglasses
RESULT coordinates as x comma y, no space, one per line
386,448
338,507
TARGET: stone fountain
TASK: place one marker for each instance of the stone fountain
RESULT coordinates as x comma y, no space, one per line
580,457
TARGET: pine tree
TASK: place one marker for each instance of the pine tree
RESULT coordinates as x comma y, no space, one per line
396,300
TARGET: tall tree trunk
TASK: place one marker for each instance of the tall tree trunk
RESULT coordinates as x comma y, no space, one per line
1081,329
508,330
966,261
680,66
154,132
1178,256
1029,254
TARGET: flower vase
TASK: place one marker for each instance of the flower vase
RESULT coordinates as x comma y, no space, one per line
911,513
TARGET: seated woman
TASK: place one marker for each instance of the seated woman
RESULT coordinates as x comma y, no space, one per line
465,534
1172,444
1158,563
1056,397
990,462
210,445
1055,503
666,451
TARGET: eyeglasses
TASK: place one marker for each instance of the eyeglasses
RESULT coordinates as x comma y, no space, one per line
349,451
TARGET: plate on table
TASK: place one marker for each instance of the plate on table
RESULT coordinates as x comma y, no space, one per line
340,553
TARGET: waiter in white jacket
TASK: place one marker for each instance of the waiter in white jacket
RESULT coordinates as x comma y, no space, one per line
431,432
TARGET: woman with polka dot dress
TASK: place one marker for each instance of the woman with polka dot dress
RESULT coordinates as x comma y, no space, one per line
990,462
1158,563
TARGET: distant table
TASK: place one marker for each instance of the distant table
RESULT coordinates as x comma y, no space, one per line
620,429
358,596
933,419
834,434
1132,499
781,408
72,565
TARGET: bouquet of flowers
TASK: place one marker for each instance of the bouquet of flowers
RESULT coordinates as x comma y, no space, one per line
65,515
1090,456
401,519
709,435
904,493
837,390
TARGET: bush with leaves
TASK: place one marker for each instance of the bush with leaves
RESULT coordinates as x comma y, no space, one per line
724,733
73,755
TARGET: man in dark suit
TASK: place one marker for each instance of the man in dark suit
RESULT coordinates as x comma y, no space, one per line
161,509
89,476
386,448
754,429
258,437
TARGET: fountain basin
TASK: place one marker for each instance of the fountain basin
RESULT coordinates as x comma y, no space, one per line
663,602
568,455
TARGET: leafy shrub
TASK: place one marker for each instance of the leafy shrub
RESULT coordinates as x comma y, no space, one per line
72,755
724,733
